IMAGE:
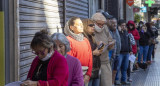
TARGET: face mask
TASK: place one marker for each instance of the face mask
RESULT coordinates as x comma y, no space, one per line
140,25
98,29
142,31
47,57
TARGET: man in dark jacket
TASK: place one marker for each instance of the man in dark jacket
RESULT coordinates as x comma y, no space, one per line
124,53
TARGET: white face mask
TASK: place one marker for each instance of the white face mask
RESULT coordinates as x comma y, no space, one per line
98,29
48,56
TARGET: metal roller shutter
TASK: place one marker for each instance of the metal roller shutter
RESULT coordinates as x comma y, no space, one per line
77,8
33,16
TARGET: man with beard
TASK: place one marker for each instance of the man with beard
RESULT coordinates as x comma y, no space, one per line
115,35
102,34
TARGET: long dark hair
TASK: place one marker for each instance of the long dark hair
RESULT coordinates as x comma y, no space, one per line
85,26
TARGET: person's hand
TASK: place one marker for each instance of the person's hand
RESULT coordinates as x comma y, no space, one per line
131,53
86,78
97,52
145,30
29,83
119,28
111,44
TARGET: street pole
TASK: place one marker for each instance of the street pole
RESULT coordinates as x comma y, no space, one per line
2,46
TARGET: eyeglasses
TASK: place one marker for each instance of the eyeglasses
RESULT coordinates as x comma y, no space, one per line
40,52
91,25
100,24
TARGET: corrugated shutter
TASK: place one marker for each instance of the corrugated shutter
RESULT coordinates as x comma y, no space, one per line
77,8
33,16
113,7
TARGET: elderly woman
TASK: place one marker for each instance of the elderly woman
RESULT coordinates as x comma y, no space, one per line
75,70
80,46
89,34
102,34
49,68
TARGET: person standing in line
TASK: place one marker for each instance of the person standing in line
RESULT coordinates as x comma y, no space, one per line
80,46
124,53
144,45
152,41
89,34
131,29
49,68
102,34
113,29
75,70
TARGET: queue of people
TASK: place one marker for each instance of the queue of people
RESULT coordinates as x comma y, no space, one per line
91,52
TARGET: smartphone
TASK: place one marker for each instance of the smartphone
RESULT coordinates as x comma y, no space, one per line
100,46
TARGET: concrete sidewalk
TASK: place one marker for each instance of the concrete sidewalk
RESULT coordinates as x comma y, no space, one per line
150,77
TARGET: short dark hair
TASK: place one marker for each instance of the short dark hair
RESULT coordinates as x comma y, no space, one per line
43,39
121,21
71,21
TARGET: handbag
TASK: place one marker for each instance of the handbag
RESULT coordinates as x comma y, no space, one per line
95,74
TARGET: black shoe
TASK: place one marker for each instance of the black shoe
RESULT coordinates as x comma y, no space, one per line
125,83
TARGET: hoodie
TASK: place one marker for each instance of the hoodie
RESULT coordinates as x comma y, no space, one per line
135,33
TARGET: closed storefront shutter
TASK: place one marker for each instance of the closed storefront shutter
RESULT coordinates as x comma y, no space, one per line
112,7
35,15
77,8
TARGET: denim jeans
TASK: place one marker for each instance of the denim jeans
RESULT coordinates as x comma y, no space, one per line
94,82
115,63
150,50
110,54
123,65
143,51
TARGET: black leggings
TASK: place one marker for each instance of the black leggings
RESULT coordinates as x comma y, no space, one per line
153,52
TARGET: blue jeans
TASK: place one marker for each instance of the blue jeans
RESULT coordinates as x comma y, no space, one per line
110,54
115,63
150,50
123,65
94,82
143,51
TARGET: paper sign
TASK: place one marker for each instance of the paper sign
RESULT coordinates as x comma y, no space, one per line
17,83
132,58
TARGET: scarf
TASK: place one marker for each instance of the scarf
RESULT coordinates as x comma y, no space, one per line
68,32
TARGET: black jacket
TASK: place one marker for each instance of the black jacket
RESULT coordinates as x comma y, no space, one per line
125,42
144,38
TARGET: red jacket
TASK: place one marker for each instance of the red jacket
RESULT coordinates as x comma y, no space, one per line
135,33
57,71
82,51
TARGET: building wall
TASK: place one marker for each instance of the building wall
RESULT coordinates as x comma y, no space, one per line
32,16
78,8
121,9
113,8
129,13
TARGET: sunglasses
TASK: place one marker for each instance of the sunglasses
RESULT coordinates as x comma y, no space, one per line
40,52
91,25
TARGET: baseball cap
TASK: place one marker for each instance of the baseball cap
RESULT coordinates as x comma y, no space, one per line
107,15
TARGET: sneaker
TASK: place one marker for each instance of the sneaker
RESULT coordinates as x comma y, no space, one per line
129,80
125,83
117,82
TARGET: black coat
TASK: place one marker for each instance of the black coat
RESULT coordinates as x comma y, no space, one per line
144,38
125,42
